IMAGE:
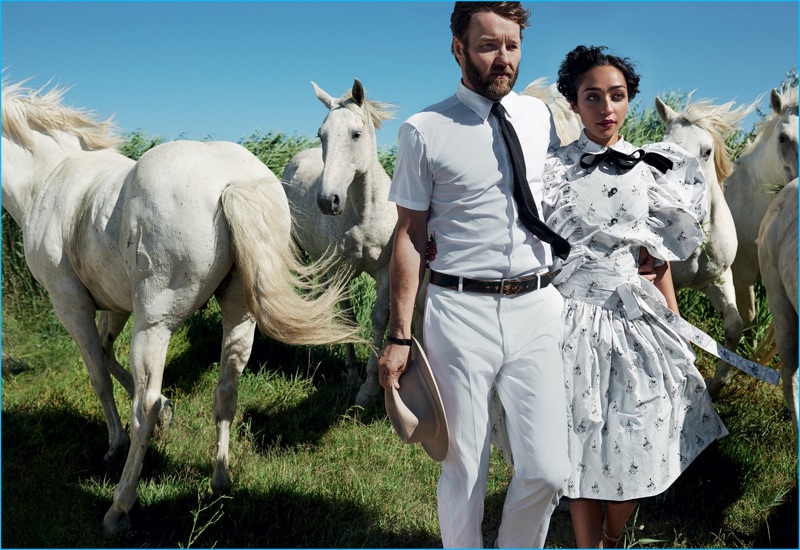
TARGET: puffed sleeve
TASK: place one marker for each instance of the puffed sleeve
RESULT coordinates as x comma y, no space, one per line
559,212
678,204
552,176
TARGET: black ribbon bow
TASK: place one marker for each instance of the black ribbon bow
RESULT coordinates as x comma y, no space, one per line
625,162
528,213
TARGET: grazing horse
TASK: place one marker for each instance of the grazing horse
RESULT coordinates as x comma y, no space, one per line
701,129
767,163
568,123
777,259
338,195
155,238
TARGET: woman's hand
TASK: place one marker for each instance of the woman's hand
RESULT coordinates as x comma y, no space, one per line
430,253
646,265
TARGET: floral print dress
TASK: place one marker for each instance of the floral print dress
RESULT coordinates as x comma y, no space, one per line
638,409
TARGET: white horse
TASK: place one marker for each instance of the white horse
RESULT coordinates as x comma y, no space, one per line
156,238
777,258
768,162
568,123
701,129
338,195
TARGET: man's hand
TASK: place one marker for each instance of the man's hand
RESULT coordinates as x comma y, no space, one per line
392,363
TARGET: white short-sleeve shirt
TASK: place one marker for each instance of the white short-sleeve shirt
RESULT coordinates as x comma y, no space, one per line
451,160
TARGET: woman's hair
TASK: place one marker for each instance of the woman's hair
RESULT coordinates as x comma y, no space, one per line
583,59
463,12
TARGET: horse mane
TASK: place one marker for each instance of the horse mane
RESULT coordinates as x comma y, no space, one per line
24,107
719,121
568,126
377,111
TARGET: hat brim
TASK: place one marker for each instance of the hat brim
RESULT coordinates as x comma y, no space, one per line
436,445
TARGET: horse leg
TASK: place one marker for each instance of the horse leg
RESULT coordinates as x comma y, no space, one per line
786,324
746,304
371,389
789,372
351,361
148,355
109,326
238,331
77,316
723,298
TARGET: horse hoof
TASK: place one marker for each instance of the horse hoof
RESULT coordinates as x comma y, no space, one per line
166,413
714,387
116,523
221,482
113,456
116,453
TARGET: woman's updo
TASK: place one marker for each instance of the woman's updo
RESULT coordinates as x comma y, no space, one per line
583,59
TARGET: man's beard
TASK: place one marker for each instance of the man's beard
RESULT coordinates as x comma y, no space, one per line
485,84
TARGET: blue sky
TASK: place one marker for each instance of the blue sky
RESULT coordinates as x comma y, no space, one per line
227,69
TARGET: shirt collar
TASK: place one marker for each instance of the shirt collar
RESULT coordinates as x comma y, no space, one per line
588,146
481,105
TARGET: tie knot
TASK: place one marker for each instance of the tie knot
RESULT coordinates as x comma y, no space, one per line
498,110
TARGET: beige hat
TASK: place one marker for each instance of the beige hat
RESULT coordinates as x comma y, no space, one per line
415,410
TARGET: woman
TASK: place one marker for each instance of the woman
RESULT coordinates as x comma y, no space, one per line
639,411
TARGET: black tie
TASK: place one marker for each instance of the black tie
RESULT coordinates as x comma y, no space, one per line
528,213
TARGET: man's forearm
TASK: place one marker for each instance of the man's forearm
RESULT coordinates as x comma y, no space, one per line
406,270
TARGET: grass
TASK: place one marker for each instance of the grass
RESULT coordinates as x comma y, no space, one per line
312,470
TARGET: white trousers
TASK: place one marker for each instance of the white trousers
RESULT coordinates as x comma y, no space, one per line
473,341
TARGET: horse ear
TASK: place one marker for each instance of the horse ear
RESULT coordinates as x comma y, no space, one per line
322,95
665,112
775,100
358,92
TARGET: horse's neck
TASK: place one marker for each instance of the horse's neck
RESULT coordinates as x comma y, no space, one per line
369,189
24,171
763,165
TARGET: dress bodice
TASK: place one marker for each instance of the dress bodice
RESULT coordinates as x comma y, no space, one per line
607,214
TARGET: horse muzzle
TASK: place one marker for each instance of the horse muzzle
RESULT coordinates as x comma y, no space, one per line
330,205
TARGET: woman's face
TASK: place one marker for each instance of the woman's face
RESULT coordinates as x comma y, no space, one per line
602,103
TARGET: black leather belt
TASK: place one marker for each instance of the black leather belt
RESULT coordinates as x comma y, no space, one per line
506,287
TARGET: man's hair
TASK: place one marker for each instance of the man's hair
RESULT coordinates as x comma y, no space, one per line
582,60
463,12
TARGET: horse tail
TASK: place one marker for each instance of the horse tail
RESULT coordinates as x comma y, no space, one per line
272,270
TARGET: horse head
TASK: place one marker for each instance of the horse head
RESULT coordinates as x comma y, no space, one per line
568,123
348,143
349,149
701,129
784,106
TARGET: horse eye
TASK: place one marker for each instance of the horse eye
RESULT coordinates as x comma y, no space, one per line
357,135
783,138
707,153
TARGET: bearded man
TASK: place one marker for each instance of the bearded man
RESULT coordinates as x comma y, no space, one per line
491,316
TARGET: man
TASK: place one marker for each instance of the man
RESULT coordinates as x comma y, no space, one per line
454,177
